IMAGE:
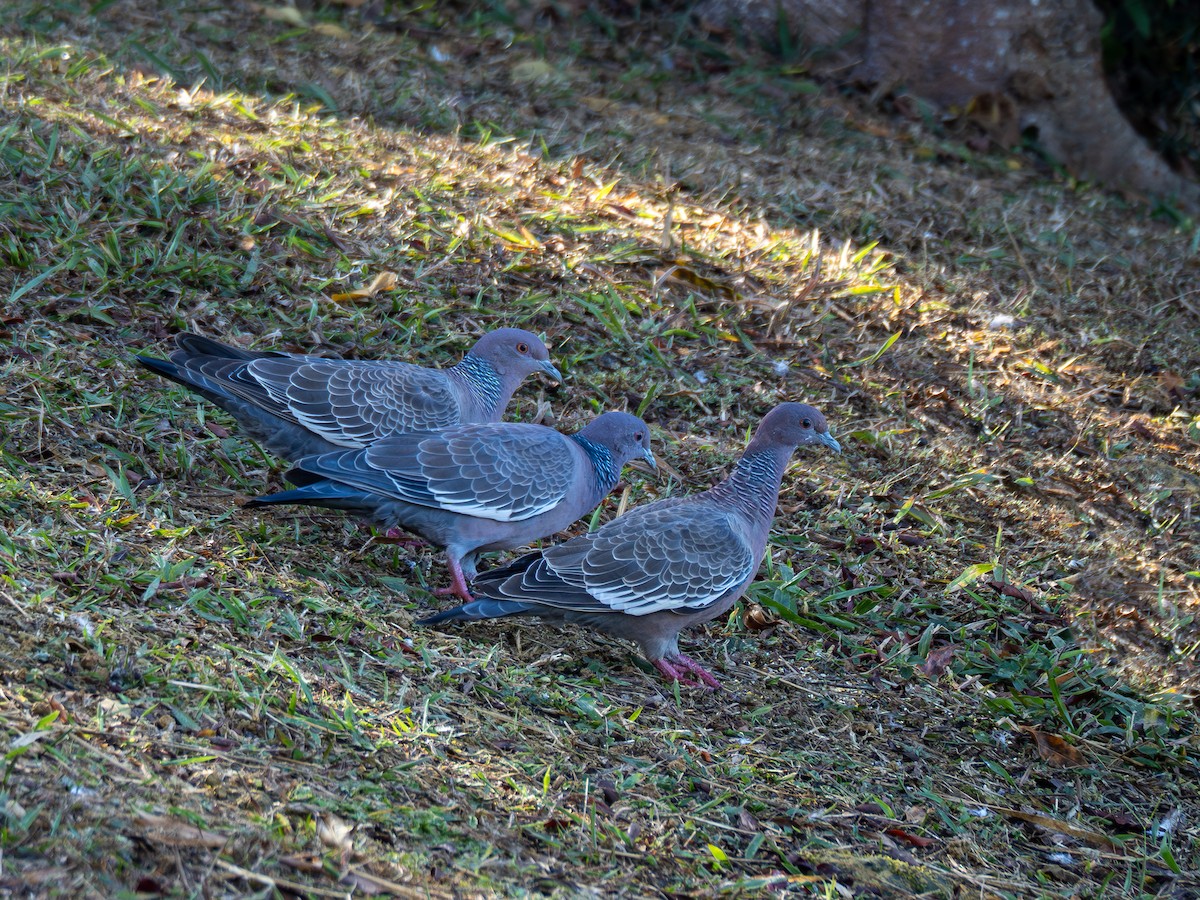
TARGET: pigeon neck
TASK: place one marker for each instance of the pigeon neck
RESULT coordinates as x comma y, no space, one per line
604,466
483,384
753,486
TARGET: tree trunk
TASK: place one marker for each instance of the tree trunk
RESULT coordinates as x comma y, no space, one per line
1014,64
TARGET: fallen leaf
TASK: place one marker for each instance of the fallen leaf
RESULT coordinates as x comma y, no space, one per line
1055,751
915,815
684,276
1011,590
747,822
177,833
373,884
1058,827
915,840
288,15
335,832
304,863
937,661
362,884
532,70
755,618
333,30
384,281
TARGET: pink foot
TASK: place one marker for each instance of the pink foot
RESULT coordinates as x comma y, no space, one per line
398,536
682,668
458,584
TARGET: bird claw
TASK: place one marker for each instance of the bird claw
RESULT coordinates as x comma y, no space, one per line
681,668
458,582
462,593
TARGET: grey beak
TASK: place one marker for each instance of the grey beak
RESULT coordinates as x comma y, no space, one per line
550,369
828,440
648,456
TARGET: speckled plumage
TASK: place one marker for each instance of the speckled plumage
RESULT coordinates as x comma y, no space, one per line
474,488
296,405
664,566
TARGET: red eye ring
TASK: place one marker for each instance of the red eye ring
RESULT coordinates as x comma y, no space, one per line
522,347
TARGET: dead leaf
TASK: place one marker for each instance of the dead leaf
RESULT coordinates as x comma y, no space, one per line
1173,384
532,70
747,822
684,276
755,618
305,863
288,15
1142,430
362,884
1011,590
1055,751
915,840
373,884
333,30
937,661
335,832
1058,827
177,833
384,281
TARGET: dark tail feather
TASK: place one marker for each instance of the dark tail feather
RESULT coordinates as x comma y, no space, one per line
502,573
198,345
205,387
480,609
327,494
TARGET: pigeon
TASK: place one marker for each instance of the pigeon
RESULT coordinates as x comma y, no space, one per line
474,488
296,405
663,566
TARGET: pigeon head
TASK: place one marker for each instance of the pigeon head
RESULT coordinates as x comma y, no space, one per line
623,434
795,425
515,353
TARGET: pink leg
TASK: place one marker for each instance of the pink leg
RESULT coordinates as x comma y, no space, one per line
458,584
679,673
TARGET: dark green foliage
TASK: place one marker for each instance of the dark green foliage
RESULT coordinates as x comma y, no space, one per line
1152,60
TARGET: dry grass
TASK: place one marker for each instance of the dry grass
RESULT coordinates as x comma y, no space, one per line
968,667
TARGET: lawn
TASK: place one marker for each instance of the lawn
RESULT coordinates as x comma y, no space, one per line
969,664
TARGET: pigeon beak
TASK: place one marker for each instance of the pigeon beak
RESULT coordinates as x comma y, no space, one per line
548,367
828,440
645,462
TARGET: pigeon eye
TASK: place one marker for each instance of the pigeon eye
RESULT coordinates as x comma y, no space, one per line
805,423
522,347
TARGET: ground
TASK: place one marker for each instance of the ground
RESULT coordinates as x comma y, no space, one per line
968,666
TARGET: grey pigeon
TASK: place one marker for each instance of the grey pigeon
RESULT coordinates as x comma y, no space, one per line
296,405
663,566
474,488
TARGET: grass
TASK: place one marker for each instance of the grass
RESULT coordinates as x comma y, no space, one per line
968,663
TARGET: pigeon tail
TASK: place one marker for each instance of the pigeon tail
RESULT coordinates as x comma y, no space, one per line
479,609
207,389
327,494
